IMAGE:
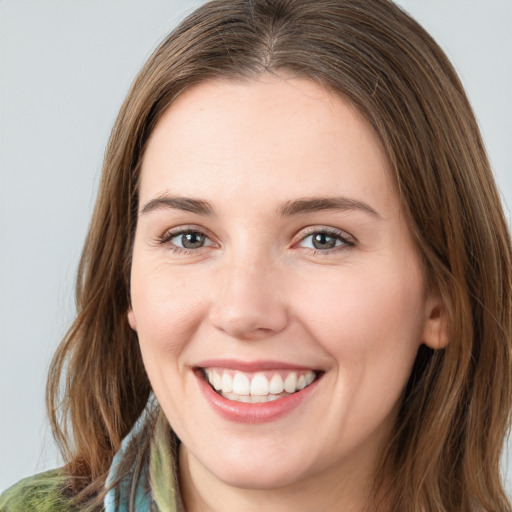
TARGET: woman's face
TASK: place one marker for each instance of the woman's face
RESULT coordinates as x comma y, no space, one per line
271,253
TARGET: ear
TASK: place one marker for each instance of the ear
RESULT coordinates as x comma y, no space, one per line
435,333
131,319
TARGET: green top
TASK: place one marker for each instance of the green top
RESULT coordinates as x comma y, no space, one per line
38,493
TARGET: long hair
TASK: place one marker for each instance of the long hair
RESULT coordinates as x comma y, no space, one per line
445,451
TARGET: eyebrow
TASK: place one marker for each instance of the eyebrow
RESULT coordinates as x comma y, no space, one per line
290,208
178,203
316,204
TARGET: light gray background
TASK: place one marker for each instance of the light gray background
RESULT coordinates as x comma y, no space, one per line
65,67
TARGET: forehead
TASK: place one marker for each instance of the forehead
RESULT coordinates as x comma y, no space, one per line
288,135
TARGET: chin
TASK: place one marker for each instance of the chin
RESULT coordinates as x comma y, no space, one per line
254,464
257,477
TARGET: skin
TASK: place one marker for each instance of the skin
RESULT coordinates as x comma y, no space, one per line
259,290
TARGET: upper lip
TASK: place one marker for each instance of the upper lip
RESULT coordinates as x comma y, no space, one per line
251,366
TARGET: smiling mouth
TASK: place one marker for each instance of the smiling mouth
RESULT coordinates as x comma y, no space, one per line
258,387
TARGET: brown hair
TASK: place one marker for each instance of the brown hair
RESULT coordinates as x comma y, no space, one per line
454,415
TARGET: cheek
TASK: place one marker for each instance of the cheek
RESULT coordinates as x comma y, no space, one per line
167,310
365,315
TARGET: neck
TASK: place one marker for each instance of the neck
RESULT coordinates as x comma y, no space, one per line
330,490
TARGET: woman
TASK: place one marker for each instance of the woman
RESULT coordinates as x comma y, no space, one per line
295,291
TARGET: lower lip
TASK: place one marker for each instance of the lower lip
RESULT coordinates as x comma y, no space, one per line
243,412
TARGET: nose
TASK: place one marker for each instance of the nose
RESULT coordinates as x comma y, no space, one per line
251,303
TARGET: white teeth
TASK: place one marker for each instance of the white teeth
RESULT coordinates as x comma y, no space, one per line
255,399
259,385
290,383
251,399
241,384
227,383
276,384
217,381
257,388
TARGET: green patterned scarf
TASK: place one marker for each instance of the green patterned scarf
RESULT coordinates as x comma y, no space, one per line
155,489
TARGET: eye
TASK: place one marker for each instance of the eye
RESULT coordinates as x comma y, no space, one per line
324,240
189,240
185,240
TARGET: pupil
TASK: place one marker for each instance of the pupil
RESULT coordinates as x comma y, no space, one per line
193,240
323,241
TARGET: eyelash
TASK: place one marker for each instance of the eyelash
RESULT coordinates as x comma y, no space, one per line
347,241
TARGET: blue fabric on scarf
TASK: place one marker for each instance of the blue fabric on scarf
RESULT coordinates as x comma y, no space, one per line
118,498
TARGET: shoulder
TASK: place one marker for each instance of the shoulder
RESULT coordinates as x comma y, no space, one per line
44,492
